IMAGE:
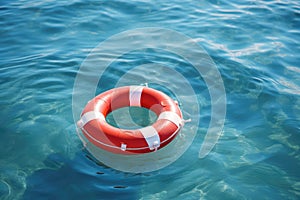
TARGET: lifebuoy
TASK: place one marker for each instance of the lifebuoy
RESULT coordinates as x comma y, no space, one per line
122,141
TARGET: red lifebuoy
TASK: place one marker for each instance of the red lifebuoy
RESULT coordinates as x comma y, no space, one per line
144,140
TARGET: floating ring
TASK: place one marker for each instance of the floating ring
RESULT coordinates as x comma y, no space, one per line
125,141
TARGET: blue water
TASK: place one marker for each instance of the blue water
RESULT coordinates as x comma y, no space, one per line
254,44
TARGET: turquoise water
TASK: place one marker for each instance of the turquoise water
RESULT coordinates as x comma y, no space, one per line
254,44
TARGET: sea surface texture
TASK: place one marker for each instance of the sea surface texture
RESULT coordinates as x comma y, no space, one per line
255,46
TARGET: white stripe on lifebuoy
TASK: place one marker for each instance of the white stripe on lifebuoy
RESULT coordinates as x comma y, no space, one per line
151,136
171,116
135,94
88,117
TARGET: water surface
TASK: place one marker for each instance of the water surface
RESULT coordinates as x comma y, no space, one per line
255,45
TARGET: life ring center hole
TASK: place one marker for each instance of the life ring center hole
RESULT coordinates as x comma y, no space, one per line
131,117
